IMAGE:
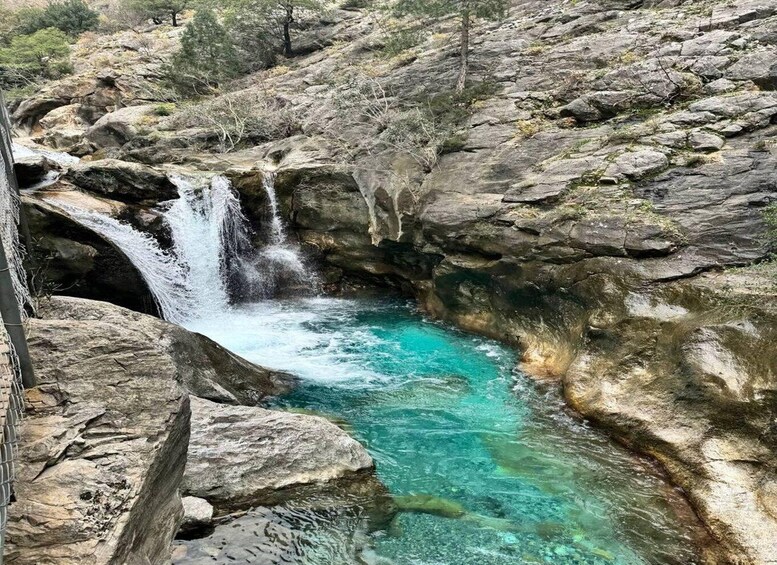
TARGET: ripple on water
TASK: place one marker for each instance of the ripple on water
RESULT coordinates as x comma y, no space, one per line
452,426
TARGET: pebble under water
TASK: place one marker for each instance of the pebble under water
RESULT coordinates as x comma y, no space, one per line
510,476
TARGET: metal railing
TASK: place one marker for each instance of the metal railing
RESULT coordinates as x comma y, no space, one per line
15,365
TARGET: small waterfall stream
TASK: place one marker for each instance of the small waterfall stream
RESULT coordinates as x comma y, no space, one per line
212,250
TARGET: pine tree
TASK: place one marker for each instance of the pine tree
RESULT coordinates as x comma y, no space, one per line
158,10
207,54
280,13
466,10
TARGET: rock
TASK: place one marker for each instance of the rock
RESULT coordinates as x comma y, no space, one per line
200,365
703,141
117,128
702,401
197,515
759,67
597,106
242,456
103,448
32,170
636,165
121,180
67,258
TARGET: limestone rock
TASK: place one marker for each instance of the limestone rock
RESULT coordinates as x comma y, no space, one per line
242,456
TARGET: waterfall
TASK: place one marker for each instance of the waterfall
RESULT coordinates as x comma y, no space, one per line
278,265
278,234
212,255
165,276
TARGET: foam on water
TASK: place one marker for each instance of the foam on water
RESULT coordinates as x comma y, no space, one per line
444,414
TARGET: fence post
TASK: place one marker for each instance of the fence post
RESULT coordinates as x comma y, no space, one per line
10,309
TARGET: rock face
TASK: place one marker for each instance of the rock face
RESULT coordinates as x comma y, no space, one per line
241,456
200,365
105,439
103,449
126,182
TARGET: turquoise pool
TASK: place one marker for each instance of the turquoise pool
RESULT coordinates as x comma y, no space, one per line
452,424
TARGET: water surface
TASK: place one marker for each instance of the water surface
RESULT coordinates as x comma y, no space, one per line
451,425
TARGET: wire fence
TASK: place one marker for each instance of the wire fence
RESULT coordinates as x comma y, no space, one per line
14,299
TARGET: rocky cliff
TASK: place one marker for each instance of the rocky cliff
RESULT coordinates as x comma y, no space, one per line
596,199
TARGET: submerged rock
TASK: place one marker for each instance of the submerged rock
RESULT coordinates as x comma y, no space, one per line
242,456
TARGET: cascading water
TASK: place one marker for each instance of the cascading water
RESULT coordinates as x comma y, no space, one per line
164,274
207,227
277,265
211,247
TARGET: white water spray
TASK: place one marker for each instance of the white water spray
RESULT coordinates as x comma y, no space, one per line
279,264
165,276
212,248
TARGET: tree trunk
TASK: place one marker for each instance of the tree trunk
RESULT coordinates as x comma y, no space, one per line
175,19
287,48
464,50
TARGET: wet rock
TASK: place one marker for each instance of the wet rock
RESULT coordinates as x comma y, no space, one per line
121,180
32,170
242,456
67,258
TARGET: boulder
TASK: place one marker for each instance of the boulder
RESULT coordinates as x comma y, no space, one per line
103,447
121,180
198,364
117,128
197,515
243,456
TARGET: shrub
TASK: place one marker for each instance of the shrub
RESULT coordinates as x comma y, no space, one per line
240,118
28,58
72,17
770,217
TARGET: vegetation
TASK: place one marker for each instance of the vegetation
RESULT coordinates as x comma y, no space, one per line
158,10
207,55
270,21
28,58
72,17
466,11
770,216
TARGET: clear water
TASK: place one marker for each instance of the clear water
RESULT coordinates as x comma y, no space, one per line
444,414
